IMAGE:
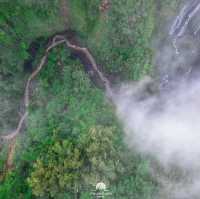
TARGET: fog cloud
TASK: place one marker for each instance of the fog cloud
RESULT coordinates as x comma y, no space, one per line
161,116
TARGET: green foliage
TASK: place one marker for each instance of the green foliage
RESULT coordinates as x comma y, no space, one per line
137,185
130,26
121,36
102,156
11,90
70,113
57,171
84,15
21,22
14,187
67,167
65,107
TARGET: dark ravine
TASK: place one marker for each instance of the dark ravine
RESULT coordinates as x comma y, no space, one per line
71,36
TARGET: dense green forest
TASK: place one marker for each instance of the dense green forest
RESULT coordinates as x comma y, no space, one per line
71,139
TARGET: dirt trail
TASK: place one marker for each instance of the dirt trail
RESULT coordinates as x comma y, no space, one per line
11,152
57,40
13,134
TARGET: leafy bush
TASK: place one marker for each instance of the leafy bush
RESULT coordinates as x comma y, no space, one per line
15,187
120,38
21,22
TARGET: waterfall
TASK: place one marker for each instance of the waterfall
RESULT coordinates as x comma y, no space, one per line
185,16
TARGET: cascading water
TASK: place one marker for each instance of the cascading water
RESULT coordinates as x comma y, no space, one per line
184,39
182,21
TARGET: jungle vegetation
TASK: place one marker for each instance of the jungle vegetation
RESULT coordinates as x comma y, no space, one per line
72,139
